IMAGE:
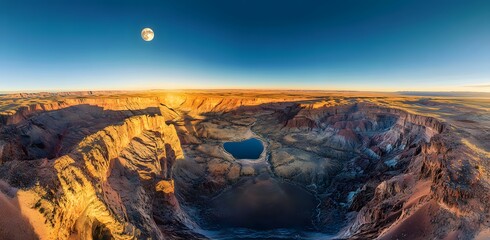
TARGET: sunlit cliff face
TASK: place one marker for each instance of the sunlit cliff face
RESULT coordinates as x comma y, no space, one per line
154,166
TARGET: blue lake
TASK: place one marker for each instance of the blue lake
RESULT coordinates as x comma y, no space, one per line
247,149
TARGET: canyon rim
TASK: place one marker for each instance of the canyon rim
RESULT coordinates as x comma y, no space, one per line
126,165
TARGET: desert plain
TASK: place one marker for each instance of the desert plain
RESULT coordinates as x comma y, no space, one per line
335,165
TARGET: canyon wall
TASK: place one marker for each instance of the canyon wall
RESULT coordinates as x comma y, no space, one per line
108,183
100,167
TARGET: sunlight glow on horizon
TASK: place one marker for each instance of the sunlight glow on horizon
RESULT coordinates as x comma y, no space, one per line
182,83
358,46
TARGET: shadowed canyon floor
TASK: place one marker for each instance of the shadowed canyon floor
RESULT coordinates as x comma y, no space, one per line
325,165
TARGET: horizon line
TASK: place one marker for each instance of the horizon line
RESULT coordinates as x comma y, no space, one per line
224,89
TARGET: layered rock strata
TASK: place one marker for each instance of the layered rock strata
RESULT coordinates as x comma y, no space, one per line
152,167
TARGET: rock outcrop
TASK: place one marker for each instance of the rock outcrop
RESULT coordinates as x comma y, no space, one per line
101,166
107,184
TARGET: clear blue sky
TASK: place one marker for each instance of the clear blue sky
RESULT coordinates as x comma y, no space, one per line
345,44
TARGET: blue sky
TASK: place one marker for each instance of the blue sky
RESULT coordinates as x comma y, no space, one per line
345,44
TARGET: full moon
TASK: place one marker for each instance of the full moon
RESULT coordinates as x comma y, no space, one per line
147,34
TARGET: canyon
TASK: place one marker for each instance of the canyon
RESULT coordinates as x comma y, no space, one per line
153,165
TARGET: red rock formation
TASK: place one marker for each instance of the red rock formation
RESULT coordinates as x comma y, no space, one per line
103,165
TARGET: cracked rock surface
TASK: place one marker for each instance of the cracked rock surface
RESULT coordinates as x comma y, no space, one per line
115,165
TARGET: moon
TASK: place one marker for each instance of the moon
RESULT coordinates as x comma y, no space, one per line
147,34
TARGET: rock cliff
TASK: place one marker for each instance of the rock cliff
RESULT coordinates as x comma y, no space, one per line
137,166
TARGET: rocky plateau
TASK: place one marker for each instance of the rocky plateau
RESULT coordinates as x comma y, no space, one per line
152,165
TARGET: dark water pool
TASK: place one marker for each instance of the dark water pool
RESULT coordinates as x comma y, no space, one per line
247,149
261,207
274,234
